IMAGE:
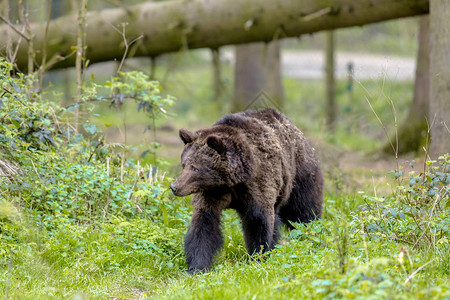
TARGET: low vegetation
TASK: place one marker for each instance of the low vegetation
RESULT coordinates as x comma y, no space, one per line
81,218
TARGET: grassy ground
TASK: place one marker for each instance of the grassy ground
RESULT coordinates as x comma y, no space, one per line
330,258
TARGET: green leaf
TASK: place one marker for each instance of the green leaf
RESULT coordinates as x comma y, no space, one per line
15,123
91,128
165,215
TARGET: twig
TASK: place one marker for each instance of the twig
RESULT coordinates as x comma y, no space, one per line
8,281
423,233
121,167
14,28
394,114
365,244
58,58
44,51
381,122
18,99
35,170
100,143
317,14
31,53
80,52
8,51
127,45
395,149
416,271
426,149
446,127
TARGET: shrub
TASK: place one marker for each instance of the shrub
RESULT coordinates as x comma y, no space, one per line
67,181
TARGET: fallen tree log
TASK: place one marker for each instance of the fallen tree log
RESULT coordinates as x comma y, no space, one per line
187,24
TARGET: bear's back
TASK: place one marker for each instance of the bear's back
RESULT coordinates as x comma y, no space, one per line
268,115
253,120
268,130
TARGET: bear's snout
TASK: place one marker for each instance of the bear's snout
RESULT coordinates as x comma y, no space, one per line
182,189
173,188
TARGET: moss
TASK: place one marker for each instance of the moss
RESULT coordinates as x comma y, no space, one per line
412,136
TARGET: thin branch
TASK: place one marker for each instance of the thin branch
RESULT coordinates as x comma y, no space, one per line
14,28
127,45
416,271
394,114
8,51
317,14
8,281
446,127
81,28
31,54
44,51
381,123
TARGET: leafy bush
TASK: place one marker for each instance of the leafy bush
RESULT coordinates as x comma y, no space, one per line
26,122
417,213
66,181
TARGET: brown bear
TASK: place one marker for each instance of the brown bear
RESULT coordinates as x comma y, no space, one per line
256,162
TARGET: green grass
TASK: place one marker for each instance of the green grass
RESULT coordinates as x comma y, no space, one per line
101,265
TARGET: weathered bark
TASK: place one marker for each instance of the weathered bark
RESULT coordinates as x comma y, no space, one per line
440,77
413,132
257,77
329,82
174,25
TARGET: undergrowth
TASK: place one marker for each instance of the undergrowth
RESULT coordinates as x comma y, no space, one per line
81,219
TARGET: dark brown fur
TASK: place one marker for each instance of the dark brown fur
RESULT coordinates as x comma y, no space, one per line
256,162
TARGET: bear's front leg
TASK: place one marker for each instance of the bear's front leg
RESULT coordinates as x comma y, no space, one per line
203,239
260,228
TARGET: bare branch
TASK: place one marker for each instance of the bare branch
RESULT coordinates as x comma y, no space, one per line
44,54
127,45
317,14
416,271
14,28
24,19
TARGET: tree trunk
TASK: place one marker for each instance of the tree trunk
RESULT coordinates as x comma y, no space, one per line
413,132
440,77
179,24
217,75
329,82
257,77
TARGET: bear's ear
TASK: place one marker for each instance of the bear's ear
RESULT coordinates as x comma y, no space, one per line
214,142
186,136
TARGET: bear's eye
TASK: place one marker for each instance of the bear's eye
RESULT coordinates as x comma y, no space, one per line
194,169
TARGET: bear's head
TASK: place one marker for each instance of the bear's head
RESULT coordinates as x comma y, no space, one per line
211,159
